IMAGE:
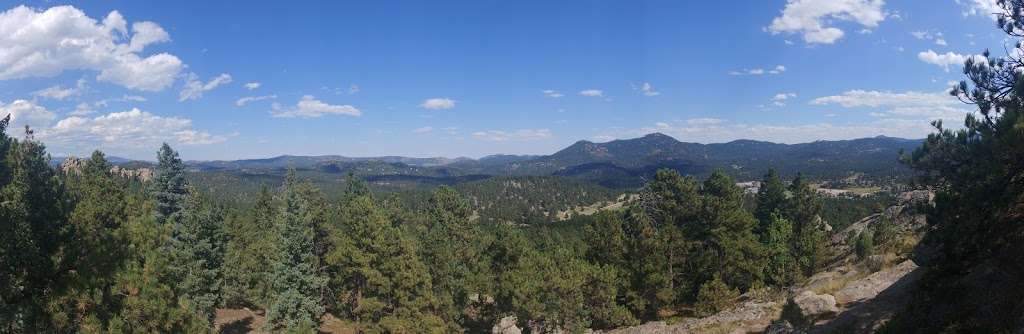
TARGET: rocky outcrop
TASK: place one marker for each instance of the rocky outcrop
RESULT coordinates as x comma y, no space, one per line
74,166
141,174
506,325
871,286
812,305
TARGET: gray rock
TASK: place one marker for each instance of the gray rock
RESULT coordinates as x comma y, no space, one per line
783,327
506,325
813,305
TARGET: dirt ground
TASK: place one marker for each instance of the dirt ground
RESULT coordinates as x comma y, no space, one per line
236,321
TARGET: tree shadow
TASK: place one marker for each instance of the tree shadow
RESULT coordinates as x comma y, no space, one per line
865,316
240,326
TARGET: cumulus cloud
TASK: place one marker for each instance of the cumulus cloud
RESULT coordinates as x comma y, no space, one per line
918,105
944,60
813,18
46,43
778,69
26,113
194,88
438,103
130,130
310,107
592,92
425,129
513,135
779,100
551,93
252,85
249,99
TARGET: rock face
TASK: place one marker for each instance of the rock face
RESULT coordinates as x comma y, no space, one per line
74,166
813,305
507,325
871,286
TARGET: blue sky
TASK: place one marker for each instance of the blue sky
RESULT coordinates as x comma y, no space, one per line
471,78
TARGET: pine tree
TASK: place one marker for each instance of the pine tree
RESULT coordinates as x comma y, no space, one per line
380,280
452,247
730,248
33,214
196,254
169,187
249,252
296,280
804,211
771,198
99,246
715,296
777,238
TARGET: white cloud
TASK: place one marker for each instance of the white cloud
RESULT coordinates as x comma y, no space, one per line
648,90
439,103
124,131
124,98
514,135
24,113
61,93
249,99
252,85
778,69
779,100
310,107
551,93
940,41
944,60
919,105
812,17
425,129
194,88
46,43
592,92
981,7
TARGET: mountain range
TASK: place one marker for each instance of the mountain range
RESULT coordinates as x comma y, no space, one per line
621,162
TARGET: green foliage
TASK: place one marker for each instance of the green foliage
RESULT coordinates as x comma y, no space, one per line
781,269
452,247
771,198
804,210
196,255
973,284
169,187
296,280
864,245
248,254
730,249
715,296
380,280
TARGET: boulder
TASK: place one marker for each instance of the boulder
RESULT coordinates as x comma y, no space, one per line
813,305
506,325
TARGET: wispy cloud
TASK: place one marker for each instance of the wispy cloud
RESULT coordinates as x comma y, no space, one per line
438,103
194,88
551,93
513,135
249,99
592,92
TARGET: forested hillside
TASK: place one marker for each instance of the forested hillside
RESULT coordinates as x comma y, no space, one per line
95,253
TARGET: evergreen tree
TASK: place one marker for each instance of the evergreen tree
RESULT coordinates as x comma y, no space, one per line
99,246
169,187
782,269
453,248
804,211
196,254
730,249
715,296
771,198
249,252
380,280
33,214
296,279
